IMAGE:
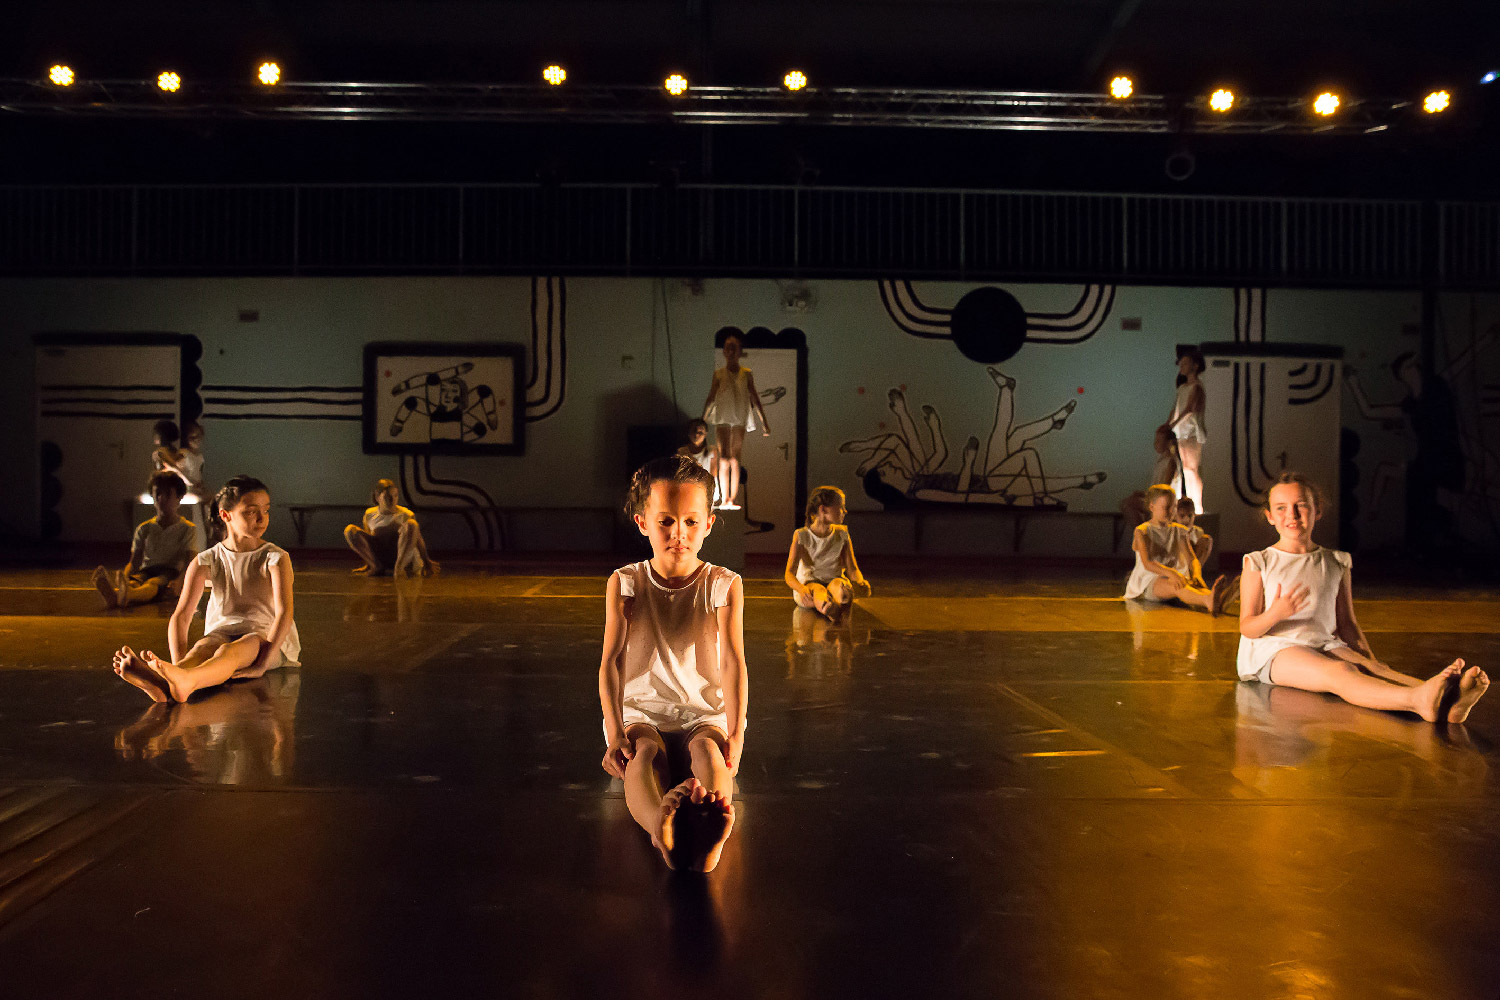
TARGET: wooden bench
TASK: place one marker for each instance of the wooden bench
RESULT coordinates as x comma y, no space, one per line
1020,517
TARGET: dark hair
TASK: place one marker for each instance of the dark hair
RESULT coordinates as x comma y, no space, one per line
381,485
695,423
1189,502
166,479
1295,479
228,498
166,430
674,469
189,427
823,496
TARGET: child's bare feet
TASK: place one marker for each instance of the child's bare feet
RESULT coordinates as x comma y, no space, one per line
705,826
133,670
122,588
1472,684
1219,594
172,678
666,836
106,587
1428,699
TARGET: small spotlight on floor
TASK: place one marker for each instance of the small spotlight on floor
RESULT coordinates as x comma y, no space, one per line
1490,77
60,75
169,81
1221,99
676,84
1121,87
555,75
1326,103
795,80
1436,102
269,74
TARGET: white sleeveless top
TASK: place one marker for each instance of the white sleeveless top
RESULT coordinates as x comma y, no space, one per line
241,602
1187,426
827,554
381,521
1321,571
731,402
191,464
673,648
1166,544
704,458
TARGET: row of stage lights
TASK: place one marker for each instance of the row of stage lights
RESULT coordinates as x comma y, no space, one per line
1121,88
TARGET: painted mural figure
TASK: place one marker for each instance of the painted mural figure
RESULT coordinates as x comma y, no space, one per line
1006,469
1186,424
455,411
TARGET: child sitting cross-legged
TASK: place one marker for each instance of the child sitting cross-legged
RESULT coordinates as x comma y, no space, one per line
160,549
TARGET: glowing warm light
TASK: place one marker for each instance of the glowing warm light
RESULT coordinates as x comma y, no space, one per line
676,84
1121,87
169,81
555,75
795,80
269,74
1436,101
1326,103
61,75
1221,99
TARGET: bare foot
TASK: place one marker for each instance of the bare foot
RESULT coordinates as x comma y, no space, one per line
106,587
431,568
1427,699
1472,684
704,826
1220,594
362,570
172,679
666,837
122,588
133,670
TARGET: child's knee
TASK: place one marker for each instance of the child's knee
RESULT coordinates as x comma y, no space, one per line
705,749
351,532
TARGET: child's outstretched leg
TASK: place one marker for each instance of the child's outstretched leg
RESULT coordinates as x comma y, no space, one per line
645,777
140,593
106,587
133,670
208,664
706,824
1311,670
358,539
1166,589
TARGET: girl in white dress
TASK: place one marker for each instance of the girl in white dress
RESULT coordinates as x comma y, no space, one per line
1186,425
820,567
1297,624
699,449
1166,568
732,406
389,539
672,681
248,628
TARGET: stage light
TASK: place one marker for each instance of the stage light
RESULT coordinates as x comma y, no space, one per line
1436,102
676,84
1221,99
1490,77
269,74
555,75
1326,103
1121,87
60,75
169,81
795,80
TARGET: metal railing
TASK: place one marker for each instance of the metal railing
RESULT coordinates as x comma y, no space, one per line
723,229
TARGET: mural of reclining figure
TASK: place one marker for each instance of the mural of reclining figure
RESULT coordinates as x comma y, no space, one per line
1007,471
454,411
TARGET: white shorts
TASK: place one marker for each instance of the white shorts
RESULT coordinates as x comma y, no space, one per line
1256,656
224,636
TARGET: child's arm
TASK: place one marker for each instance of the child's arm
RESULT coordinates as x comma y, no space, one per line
281,598
734,676
1138,543
1204,547
851,567
1256,619
794,558
187,604
611,684
765,425
137,552
1346,626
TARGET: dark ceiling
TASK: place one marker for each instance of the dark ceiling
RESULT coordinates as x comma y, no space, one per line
1374,47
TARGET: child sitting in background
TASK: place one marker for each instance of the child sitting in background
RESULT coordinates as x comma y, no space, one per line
389,539
166,455
160,549
699,449
1202,542
820,567
1166,568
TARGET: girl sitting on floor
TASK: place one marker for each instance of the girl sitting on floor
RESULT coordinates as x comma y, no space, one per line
672,681
1297,624
1166,568
820,566
389,539
248,628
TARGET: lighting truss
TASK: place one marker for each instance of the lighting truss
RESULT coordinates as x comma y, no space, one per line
856,106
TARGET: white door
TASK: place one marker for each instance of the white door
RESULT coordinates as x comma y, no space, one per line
770,496
96,406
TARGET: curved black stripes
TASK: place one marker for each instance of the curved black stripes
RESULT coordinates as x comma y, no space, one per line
487,510
1071,313
899,316
417,490
559,301
1313,379
1326,388
1091,323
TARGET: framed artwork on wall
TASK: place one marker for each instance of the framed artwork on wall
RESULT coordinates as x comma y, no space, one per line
431,397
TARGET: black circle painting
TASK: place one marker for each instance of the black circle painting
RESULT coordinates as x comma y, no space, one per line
989,325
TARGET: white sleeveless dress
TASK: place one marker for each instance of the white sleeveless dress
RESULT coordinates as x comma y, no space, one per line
827,554
1321,571
731,402
241,602
1166,544
1187,425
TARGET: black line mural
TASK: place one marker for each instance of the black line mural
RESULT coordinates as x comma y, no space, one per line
282,402
911,466
547,381
989,324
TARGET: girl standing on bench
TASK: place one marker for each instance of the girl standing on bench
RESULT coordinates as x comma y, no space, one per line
1297,624
820,567
248,628
732,407
1166,569
389,539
